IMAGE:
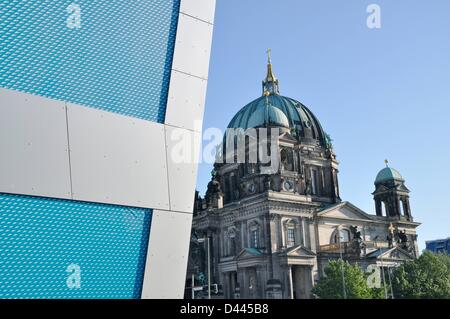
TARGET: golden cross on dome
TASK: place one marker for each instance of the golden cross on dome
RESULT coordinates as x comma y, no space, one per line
386,162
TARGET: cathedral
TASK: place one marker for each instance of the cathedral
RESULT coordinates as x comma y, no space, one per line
271,232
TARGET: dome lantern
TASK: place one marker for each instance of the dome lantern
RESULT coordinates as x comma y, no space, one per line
270,84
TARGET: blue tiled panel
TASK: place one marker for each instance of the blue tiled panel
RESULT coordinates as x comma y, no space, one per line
41,237
119,60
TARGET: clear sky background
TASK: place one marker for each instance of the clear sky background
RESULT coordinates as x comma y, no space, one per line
380,93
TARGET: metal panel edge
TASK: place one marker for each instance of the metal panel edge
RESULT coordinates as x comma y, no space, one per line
167,256
33,140
117,159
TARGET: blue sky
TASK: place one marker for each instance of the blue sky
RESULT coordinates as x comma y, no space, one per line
379,93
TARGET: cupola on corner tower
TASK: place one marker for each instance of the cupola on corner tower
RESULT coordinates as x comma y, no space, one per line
391,195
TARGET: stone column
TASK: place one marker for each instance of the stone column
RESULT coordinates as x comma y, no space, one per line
378,207
215,253
227,286
303,229
310,281
224,284
238,238
280,233
244,284
399,207
232,285
291,284
261,281
241,281
244,234
220,244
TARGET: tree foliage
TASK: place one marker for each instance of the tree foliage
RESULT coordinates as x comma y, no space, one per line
427,277
331,285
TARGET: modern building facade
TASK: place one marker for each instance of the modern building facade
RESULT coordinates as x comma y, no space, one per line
91,96
438,245
272,233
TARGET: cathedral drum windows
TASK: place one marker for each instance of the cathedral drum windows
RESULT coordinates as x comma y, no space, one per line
287,159
312,183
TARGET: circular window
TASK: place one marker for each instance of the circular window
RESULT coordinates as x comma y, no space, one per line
288,186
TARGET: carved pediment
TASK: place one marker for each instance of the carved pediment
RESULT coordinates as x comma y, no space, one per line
395,253
381,188
344,210
249,253
403,188
299,251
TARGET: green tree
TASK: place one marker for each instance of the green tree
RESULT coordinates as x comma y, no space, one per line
427,277
331,286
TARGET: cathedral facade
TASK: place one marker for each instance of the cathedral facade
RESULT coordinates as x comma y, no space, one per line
271,232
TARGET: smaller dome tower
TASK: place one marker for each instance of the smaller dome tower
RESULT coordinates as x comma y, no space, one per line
391,195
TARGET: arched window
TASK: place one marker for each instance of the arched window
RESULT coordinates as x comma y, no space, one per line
234,186
290,236
231,243
403,208
287,159
290,228
227,189
384,211
255,238
343,236
254,235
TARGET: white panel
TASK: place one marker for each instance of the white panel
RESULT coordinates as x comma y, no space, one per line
201,9
186,102
193,46
167,256
33,143
183,147
117,159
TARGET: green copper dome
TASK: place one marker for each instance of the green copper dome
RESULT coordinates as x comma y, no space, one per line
277,110
270,115
388,174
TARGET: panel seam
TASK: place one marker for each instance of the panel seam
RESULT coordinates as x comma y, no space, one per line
197,18
194,76
69,151
167,166
172,211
